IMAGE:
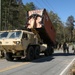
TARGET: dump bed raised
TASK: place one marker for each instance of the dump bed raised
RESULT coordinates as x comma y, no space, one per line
40,20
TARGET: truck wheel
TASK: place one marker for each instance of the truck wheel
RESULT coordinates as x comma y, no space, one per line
37,52
46,52
51,51
18,58
30,53
8,56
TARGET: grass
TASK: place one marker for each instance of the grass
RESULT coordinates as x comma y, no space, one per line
72,70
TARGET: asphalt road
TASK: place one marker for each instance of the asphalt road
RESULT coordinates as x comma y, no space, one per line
56,64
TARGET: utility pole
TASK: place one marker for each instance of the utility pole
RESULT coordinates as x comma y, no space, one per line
0,14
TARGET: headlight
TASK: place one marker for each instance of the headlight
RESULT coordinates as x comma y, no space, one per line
17,42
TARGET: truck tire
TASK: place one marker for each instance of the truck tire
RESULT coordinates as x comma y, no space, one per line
37,52
18,58
30,53
51,51
46,53
8,56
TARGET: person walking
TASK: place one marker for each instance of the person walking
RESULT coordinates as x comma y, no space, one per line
67,47
73,48
59,46
64,47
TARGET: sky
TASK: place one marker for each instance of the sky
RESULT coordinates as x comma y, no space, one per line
63,8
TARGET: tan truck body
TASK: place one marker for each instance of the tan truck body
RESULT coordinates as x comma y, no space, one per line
38,37
18,41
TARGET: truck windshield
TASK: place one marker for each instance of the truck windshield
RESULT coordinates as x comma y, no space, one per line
3,35
15,34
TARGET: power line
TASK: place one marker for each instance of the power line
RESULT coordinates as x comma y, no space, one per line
35,5
46,4
0,16
38,3
50,6
43,4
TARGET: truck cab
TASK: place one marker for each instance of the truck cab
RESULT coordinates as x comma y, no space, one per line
3,34
21,43
16,43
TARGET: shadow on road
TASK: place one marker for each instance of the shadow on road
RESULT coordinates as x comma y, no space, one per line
63,54
49,58
43,58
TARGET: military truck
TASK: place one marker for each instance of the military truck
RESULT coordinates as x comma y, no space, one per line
37,37
20,43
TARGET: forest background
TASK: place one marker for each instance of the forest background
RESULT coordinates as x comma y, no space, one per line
13,16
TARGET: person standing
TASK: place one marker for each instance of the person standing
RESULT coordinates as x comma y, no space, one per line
64,47
60,45
67,47
73,48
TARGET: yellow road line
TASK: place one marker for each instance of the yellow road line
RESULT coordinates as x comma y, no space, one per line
13,66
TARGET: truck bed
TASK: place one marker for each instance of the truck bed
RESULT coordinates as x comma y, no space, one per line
44,36
39,20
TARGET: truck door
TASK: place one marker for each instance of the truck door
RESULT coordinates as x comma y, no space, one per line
25,40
